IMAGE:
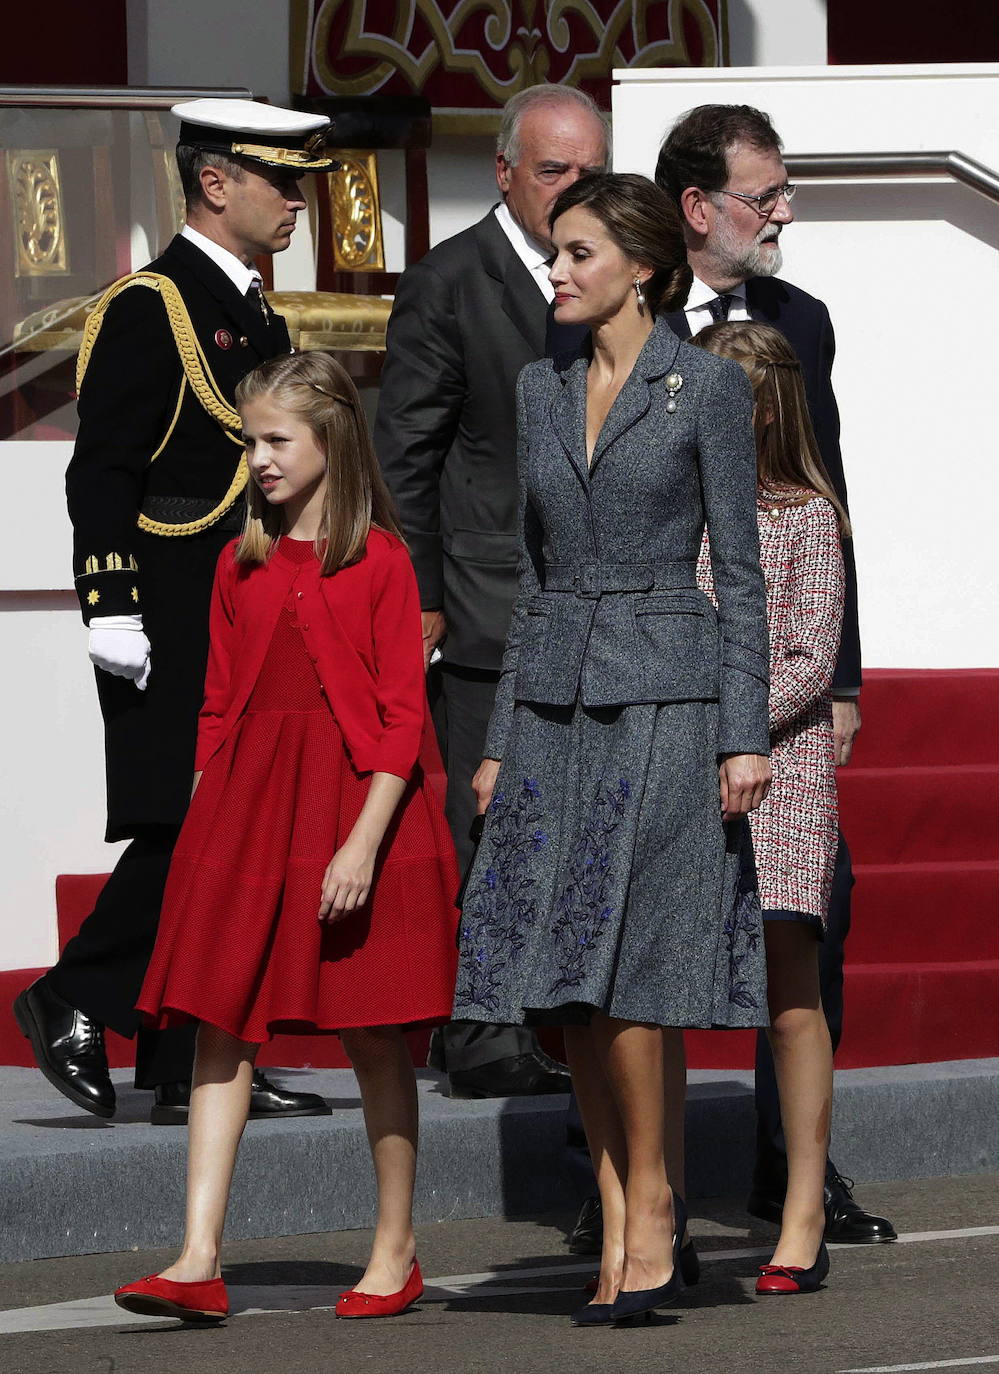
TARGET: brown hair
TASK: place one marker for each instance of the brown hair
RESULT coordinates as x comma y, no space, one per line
695,151
191,161
644,224
316,389
787,454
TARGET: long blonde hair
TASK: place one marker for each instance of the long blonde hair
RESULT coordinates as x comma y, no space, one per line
787,454
316,389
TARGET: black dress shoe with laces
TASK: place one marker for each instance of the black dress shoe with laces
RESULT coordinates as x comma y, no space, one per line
68,1047
267,1101
520,1075
846,1221
587,1236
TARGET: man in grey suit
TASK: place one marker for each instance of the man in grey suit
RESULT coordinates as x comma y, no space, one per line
466,319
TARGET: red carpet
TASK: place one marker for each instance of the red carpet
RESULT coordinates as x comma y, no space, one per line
917,809
922,976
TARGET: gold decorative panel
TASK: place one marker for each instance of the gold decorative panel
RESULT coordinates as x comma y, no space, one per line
39,226
356,213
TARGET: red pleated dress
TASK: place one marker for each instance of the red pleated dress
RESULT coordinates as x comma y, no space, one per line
239,942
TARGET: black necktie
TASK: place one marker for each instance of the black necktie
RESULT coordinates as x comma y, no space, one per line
255,295
718,308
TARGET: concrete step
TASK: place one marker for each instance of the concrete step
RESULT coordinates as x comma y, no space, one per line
73,1184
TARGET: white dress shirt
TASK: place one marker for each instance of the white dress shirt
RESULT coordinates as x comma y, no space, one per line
536,262
241,276
697,312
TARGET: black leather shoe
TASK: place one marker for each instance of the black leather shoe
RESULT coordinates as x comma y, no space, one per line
267,1101
846,1221
68,1047
520,1075
587,1236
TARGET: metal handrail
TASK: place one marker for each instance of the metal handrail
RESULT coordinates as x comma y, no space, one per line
958,165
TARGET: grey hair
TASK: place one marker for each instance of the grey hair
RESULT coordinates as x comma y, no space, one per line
545,95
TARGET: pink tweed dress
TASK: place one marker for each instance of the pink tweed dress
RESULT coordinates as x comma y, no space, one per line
795,830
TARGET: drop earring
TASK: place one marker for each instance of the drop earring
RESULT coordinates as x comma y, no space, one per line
640,296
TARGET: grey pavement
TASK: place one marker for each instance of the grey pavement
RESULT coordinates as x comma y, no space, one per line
929,1301
71,1183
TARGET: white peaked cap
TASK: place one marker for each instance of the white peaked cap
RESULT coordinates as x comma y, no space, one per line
292,139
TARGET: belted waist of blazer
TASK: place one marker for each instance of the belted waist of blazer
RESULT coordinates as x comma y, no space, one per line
593,580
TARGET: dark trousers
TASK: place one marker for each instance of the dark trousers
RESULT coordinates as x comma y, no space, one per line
101,969
771,1154
462,702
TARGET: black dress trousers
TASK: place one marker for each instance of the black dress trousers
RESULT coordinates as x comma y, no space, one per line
101,969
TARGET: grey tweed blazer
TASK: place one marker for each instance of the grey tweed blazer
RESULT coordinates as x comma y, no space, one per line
607,609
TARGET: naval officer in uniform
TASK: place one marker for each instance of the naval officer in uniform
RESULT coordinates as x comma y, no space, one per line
154,490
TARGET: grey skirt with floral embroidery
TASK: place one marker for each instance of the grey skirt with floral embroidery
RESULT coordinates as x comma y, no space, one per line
606,880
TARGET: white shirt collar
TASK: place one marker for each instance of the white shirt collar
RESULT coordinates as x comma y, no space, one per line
241,276
530,255
700,293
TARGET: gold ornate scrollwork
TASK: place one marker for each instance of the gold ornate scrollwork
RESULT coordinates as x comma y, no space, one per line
39,228
356,213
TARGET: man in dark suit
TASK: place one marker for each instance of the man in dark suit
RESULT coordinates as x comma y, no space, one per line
153,490
722,165
466,319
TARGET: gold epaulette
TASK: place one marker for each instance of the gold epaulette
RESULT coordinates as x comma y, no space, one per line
197,376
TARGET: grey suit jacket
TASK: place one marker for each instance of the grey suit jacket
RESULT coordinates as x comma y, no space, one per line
607,608
466,319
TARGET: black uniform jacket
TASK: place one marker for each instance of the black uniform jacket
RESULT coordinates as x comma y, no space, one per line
804,321
127,400
466,319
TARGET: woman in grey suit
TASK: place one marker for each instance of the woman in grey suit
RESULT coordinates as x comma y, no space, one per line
630,734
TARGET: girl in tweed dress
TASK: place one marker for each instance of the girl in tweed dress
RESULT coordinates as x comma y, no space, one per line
794,830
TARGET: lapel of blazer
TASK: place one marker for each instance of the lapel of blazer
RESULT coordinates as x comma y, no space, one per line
568,412
635,397
246,319
522,302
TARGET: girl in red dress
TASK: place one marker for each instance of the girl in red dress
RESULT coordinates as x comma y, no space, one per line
312,887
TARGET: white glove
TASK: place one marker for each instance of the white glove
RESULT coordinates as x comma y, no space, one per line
118,645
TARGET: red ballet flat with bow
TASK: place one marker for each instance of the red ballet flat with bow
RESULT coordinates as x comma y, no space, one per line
191,1302
354,1304
792,1278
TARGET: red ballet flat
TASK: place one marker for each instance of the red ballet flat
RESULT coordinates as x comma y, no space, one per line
354,1304
792,1278
191,1302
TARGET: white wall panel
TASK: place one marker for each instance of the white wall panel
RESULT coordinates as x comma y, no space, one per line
908,269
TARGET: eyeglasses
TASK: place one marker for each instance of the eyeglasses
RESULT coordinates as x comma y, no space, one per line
766,203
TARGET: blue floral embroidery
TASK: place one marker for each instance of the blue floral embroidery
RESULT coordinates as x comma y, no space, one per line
744,920
583,912
501,906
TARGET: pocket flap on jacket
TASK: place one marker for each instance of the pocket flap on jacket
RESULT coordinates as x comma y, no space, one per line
483,546
674,603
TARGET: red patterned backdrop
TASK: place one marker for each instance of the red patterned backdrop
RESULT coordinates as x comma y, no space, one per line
469,56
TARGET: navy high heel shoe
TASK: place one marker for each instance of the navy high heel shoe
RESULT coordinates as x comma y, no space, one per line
791,1278
593,1314
643,1301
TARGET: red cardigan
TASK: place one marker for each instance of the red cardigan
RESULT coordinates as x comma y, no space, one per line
361,627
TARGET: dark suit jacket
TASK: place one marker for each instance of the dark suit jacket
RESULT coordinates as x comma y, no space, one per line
805,323
466,319
128,397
